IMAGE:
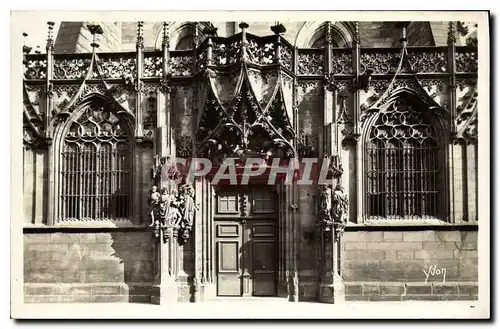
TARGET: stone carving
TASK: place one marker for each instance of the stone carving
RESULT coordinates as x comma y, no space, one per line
181,66
268,53
74,68
184,146
153,199
326,204
339,210
174,211
286,54
219,53
380,62
116,67
186,193
306,145
335,169
311,63
428,84
233,52
466,61
153,66
36,69
428,62
342,63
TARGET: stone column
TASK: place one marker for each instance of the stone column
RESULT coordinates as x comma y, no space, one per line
331,287
165,290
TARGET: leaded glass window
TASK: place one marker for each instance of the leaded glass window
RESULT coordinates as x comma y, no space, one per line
404,165
96,168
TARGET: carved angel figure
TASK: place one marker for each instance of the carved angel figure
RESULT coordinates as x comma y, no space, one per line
340,204
189,204
326,202
163,206
153,199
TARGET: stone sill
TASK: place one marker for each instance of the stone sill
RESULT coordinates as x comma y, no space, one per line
424,224
86,226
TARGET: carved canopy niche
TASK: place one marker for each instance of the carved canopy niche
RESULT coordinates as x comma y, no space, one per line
240,123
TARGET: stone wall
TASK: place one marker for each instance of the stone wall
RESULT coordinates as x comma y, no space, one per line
390,264
114,266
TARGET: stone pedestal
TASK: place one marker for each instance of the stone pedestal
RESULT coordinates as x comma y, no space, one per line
165,291
331,289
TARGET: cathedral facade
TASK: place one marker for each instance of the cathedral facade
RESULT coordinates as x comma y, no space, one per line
128,127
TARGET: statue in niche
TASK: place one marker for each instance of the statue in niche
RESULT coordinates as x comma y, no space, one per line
340,204
188,208
153,199
326,203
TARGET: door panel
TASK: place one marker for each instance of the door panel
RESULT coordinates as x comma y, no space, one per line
228,259
246,256
264,259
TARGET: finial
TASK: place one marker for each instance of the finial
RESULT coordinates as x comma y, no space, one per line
50,36
196,40
278,28
166,37
357,38
140,37
243,26
403,26
26,49
95,29
328,33
210,30
452,37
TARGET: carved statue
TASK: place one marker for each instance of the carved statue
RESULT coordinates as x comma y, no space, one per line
340,204
326,203
186,194
153,199
163,206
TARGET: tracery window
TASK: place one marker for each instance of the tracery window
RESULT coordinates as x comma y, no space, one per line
96,168
404,166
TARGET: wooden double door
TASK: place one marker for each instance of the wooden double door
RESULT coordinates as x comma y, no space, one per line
246,257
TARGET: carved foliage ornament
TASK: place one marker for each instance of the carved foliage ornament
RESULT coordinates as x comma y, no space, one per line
36,69
181,66
153,66
117,67
73,68
466,61
311,63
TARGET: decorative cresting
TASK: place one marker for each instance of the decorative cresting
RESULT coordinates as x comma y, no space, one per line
96,166
247,107
94,83
172,207
404,79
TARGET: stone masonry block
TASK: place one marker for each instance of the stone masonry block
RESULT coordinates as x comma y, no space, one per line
353,288
393,236
467,288
391,289
434,254
444,289
370,289
418,289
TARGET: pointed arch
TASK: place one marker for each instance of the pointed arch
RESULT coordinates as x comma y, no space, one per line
93,160
311,32
179,30
404,160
